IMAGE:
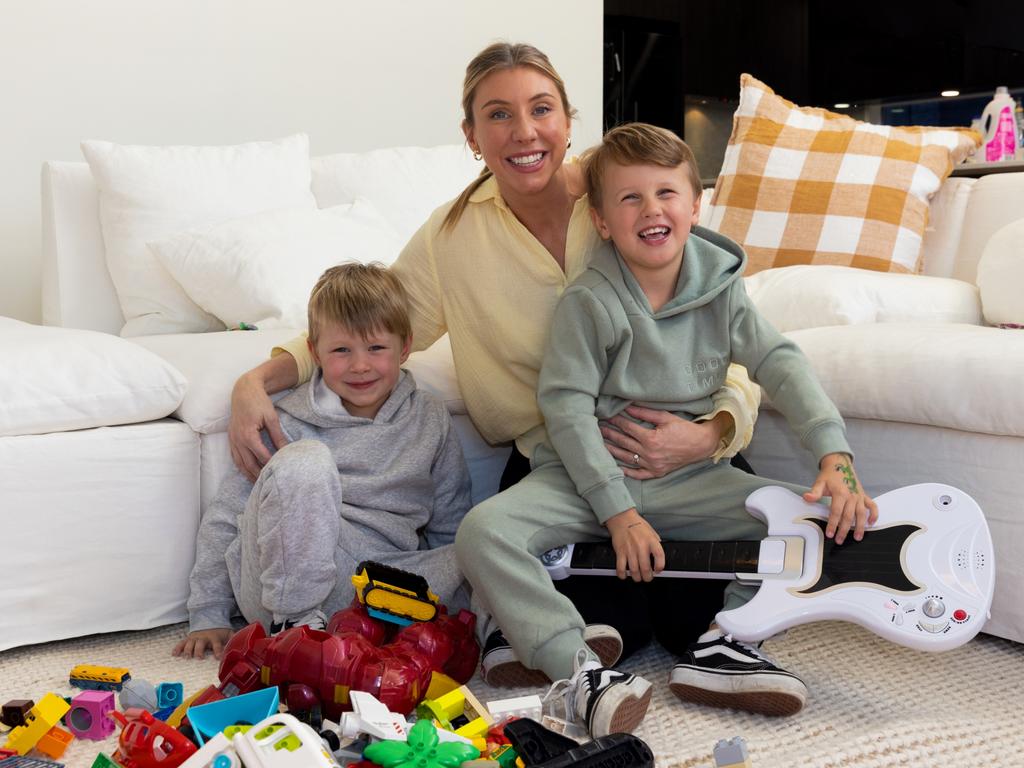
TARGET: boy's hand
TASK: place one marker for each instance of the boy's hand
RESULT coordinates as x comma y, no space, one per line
851,507
197,643
635,543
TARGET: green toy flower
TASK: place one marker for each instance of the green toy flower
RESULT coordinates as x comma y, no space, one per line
422,750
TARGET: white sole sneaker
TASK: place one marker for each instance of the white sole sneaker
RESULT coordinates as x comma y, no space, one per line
620,708
777,694
501,668
719,671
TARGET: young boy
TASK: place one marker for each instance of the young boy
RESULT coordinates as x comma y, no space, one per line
655,320
373,471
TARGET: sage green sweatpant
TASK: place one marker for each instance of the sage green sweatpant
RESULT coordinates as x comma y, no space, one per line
499,540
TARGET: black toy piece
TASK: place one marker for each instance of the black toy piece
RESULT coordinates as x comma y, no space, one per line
539,747
15,711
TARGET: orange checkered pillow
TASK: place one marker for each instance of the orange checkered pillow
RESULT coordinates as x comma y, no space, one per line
808,186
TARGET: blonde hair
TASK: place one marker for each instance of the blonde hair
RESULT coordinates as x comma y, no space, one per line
637,144
496,58
362,298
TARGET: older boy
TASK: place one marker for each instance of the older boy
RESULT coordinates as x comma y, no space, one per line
655,320
373,471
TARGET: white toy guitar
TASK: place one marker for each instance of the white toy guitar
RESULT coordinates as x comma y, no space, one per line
922,576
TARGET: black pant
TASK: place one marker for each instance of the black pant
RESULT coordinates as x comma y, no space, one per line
674,611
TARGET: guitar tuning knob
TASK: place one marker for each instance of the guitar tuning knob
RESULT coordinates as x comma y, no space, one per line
933,608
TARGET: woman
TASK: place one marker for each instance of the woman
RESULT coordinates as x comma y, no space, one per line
488,269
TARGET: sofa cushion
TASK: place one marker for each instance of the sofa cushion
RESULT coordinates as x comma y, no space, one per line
212,362
808,186
964,377
260,269
61,379
1001,276
806,296
404,183
148,193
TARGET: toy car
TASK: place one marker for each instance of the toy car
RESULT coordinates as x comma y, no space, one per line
394,595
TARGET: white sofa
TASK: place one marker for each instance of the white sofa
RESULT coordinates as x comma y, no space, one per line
923,401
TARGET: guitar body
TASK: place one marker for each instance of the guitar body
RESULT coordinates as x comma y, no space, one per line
923,575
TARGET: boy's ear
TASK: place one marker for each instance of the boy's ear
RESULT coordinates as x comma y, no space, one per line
406,348
695,219
312,350
599,225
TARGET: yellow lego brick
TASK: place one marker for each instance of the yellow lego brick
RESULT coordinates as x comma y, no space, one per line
474,729
451,705
40,719
440,684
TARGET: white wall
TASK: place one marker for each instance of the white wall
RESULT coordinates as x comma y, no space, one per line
353,75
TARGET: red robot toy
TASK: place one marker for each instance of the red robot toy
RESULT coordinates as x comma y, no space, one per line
315,670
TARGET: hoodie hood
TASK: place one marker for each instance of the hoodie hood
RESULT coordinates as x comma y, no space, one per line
711,263
314,403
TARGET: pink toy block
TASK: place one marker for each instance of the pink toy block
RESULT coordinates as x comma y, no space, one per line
88,719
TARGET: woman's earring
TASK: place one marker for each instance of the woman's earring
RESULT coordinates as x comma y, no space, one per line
568,142
477,155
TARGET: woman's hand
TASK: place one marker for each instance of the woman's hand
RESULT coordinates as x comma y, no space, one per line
251,413
672,442
195,644
851,507
636,543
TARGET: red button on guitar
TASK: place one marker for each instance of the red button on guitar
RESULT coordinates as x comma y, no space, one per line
959,615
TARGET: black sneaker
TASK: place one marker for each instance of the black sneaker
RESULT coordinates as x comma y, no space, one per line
501,668
722,672
602,699
314,619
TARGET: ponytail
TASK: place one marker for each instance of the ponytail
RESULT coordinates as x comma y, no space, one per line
455,212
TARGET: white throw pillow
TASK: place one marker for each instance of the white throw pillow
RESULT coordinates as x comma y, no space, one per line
1001,276
405,184
811,296
148,193
260,269
59,379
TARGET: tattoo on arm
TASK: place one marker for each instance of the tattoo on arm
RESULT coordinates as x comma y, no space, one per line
848,478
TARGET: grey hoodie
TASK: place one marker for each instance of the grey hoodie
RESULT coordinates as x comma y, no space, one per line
608,350
402,474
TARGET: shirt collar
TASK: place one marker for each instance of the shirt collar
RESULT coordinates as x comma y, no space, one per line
488,191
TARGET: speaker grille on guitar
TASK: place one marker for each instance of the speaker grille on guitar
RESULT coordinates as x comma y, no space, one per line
963,559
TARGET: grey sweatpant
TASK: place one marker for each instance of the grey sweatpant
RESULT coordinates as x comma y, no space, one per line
498,542
295,551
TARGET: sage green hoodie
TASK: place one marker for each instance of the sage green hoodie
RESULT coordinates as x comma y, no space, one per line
608,349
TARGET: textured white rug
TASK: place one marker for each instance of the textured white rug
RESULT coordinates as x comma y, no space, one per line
872,703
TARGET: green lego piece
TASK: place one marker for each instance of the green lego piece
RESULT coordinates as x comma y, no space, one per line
422,749
507,757
102,761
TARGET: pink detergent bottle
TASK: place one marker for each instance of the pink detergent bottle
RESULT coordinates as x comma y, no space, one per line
998,123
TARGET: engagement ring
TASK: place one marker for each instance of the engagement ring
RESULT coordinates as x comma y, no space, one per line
636,459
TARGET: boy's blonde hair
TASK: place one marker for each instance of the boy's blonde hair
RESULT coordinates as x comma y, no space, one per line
498,57
637,144
363,298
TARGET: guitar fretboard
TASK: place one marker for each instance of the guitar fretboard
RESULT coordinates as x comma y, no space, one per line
722,557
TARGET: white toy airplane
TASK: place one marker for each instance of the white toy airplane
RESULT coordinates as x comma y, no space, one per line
280,741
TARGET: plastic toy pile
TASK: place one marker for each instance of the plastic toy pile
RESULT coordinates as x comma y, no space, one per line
384,685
